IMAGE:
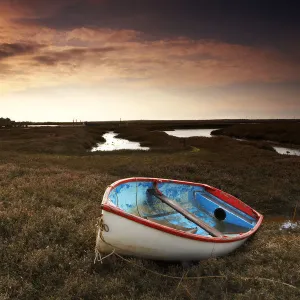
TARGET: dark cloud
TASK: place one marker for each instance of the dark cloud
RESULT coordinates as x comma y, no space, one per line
48,60
52,58
37,7
16,49
234,21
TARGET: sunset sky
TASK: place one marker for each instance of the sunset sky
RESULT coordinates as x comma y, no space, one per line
149,59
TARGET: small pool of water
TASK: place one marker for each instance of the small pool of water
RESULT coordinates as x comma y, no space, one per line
286,151
184,133
112,143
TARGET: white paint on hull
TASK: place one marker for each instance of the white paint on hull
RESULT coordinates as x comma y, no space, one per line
130,238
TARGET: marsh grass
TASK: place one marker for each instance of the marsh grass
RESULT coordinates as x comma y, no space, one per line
56,140
49,204
287,132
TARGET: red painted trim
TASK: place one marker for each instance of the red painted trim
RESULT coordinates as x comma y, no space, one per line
233,201
224,196
158,180
183,234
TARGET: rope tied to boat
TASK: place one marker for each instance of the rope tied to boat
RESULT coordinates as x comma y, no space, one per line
101,226
98,257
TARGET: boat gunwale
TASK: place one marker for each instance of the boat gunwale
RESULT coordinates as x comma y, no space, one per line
224,239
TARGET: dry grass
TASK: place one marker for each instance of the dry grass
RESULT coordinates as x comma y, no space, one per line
59,140
49,204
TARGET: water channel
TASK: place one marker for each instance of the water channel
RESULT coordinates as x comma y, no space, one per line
207,133
113,143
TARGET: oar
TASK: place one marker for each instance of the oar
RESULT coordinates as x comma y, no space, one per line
212,231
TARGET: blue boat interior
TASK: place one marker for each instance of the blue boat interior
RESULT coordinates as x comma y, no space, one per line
133,198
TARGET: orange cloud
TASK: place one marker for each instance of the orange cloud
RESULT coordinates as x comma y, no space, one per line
91,55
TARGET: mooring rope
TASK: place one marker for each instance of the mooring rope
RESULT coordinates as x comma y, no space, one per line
103,227
98,256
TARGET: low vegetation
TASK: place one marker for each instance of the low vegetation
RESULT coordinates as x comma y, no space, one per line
59,140
282,132
50,195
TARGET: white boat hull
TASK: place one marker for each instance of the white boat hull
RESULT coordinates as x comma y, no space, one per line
128,237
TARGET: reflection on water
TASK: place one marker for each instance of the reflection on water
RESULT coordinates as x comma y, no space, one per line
278,149
287,151
190,132
112,143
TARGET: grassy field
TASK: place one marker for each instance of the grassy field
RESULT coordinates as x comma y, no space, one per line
50,195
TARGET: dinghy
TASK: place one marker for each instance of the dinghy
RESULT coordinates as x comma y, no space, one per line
165,219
